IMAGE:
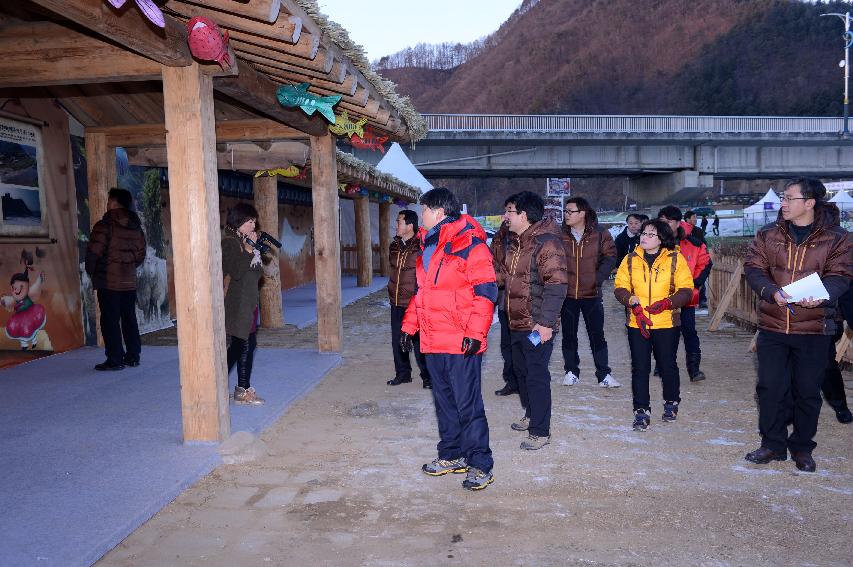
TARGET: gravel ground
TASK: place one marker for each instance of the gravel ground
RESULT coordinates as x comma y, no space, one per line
340,483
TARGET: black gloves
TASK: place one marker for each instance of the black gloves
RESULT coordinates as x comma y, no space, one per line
406,342
470,346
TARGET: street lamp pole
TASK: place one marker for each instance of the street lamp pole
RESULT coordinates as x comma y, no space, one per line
848,41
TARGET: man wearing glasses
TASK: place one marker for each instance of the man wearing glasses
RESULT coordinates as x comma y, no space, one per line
794,338
590,257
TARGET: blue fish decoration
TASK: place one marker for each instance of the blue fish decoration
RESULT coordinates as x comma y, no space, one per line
298,95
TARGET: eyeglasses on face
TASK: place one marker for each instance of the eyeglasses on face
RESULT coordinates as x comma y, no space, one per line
571,212
649,234
511,211
786,199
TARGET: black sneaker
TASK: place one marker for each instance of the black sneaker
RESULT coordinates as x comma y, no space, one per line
427,384
843,415
131,361
670,411
507,390
641,420
107,365
396,381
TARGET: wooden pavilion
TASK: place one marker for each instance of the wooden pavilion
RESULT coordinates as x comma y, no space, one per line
134,85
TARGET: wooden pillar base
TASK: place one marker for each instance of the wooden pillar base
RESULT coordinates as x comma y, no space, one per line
363,244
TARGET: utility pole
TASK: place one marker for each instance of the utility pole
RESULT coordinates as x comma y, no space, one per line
848,41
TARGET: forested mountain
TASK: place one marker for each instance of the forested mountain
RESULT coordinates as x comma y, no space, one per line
710,57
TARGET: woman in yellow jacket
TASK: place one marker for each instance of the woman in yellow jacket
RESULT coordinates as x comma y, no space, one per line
654,282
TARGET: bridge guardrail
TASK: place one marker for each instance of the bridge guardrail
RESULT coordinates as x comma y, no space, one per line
635,124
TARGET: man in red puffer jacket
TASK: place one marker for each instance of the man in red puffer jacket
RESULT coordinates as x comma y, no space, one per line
453,310
696,254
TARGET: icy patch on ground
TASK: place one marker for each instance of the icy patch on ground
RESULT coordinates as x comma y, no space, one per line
721,441
743,469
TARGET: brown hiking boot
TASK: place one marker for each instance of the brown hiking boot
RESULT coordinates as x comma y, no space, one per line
247,397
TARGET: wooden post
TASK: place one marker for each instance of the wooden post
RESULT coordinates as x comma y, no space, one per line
327,243
101,177
363,242
384,238
734,284
266,201
843,344
194,205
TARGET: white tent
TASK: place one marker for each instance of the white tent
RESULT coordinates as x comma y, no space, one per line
397,163
842,198
762,205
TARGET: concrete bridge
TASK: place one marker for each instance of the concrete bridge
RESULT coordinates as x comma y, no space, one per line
660,154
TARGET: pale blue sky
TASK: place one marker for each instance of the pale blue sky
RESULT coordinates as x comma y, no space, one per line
384,27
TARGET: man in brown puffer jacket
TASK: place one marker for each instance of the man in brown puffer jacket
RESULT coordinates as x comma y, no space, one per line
116,248
590,257
402,285
794,338
533,275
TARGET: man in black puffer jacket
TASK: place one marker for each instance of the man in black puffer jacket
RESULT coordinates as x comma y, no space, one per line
833,383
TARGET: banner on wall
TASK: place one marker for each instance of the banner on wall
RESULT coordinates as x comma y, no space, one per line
22,199
558,187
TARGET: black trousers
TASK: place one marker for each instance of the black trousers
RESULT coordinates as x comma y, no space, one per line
402,364
506,350
833,382
790,368
462,425
664,344
242,353
534,380
688,331
593,318
118,325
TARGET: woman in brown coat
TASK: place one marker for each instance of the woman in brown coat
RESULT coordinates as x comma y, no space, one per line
241,271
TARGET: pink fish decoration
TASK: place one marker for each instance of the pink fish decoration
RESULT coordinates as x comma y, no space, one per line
148,8
206,42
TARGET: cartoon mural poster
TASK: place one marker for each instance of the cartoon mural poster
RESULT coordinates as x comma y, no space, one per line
26,324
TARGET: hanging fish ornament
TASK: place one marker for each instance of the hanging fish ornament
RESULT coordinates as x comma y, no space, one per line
298,95
148,8
206,42
370,141
344,126
291,171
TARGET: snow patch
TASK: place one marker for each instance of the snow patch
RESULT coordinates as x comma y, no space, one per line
722,441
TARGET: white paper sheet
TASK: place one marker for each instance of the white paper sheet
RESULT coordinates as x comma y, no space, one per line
804,288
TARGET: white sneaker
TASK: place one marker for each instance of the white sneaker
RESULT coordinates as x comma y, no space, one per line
609,382
570,379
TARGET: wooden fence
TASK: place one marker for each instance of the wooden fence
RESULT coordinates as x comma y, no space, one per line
349,260
738,301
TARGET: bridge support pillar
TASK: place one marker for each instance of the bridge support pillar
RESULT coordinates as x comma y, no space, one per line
658,187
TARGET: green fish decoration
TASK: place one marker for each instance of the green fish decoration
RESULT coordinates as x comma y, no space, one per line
298,95
345,126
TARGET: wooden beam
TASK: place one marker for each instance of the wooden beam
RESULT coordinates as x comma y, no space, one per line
322,64
364,249
843,344
128,27
100,177
284,27
234,156
259,92
253,130
266,203
384,238
264,10
194,206
327,244
45,53
307,47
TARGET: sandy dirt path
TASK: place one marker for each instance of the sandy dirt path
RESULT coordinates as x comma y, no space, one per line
341,483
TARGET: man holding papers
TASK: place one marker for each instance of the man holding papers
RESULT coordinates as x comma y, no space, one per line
795,332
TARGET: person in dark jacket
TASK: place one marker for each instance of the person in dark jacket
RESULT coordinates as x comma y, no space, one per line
794,338
833,382
403,255
500,242
116,248
590,257
242,270
535,281
716,225
453,311
629,238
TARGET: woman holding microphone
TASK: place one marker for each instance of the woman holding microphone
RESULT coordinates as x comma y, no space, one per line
654,282
241,271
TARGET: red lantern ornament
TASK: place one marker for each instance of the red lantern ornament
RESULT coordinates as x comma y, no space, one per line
206,42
